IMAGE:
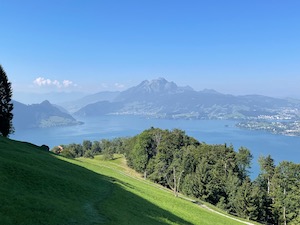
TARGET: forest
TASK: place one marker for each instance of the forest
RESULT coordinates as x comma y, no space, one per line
217,174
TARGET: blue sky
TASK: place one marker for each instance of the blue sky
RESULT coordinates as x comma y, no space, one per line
236,47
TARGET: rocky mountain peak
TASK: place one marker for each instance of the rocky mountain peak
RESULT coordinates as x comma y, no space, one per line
160,85
147,90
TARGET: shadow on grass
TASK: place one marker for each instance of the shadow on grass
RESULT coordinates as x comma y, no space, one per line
40,188
125,207
115,158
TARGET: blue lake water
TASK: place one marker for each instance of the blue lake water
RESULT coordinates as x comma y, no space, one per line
208,131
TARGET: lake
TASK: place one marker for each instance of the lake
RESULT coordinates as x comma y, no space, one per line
208,131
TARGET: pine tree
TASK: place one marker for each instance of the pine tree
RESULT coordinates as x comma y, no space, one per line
6,105
267,167
285,193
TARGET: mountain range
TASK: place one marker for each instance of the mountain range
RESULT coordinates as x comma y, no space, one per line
163,99
157,98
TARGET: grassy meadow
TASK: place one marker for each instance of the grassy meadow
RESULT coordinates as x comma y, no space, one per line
38,187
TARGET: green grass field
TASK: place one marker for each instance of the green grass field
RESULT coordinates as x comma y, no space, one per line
38,187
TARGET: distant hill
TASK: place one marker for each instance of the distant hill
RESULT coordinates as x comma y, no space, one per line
99,108
40,115
75,105
163,99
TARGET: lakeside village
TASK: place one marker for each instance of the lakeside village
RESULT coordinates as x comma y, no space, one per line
286,122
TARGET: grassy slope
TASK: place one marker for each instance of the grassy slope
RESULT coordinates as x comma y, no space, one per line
37,187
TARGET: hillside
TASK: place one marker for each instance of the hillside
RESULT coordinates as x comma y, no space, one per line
40,115
75,105
41,188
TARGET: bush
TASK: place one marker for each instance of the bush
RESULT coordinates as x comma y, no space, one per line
88,154
45,148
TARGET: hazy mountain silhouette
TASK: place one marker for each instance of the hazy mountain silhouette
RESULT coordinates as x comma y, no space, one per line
161,98
40,115
75,105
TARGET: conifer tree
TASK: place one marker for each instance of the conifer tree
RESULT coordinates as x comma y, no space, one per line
6,105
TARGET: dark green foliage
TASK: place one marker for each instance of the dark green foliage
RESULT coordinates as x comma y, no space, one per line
88,154
285,192
244,202
87,145
267,168
6,105
110,147
72,150
180,162
243,158
217,174
88,149
264,181
96,149
144,149
45,148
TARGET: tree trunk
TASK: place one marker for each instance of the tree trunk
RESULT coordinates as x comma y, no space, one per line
284,209
268,185
284,215
175,182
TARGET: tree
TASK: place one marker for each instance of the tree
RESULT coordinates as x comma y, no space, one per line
264,201
285,192
72,150
96,148
6,105
244,158
87,145
267,167
226,156
107,149
144,150
264,180
245,201
174,181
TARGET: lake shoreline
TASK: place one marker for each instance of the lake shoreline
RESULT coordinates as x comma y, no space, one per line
260,143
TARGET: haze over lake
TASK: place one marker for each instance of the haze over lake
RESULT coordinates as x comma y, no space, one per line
209,131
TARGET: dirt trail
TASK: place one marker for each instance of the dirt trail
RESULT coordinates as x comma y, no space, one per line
214,211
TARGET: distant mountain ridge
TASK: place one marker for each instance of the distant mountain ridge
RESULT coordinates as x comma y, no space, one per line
40,116
151,89
163,99
75,105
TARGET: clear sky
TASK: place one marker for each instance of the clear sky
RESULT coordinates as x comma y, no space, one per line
236,47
